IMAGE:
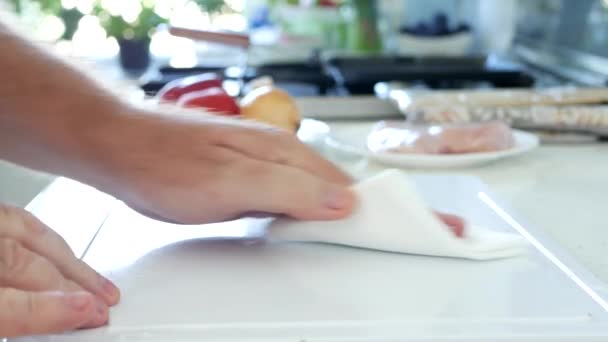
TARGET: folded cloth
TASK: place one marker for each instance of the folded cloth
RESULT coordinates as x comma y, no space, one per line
391,216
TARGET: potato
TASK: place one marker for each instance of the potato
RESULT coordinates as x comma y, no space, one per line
273,106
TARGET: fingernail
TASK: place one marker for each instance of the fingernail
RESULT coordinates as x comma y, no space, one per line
78,300
101,307
337,197
102,312
108,287
99,317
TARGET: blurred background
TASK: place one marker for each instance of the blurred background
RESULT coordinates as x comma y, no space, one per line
351,63
326,48
130,38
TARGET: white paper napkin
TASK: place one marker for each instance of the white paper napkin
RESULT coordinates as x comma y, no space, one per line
391,216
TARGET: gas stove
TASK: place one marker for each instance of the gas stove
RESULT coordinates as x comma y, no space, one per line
345,76
358,87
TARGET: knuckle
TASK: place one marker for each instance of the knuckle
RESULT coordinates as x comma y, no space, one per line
5,211
23,306
20,222
14,259
30,306
8,215
31,224
8,298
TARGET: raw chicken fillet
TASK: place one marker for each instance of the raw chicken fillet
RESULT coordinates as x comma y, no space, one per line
401,137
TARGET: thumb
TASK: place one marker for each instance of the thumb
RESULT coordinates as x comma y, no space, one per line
34,313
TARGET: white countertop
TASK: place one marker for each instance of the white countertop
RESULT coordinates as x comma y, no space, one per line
554,194
562,189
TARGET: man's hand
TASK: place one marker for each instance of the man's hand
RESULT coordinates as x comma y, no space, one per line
44,288
199,169
208,168
456,224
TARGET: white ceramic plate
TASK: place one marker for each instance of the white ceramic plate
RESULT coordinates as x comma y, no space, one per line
313,133
353,140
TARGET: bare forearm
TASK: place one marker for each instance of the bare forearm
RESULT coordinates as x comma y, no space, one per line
49,112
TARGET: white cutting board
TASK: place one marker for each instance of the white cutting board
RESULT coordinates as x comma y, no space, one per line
179,288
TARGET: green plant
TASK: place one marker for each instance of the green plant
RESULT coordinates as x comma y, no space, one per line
147,21
140,29
70,18
115,25
47,6
211,6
